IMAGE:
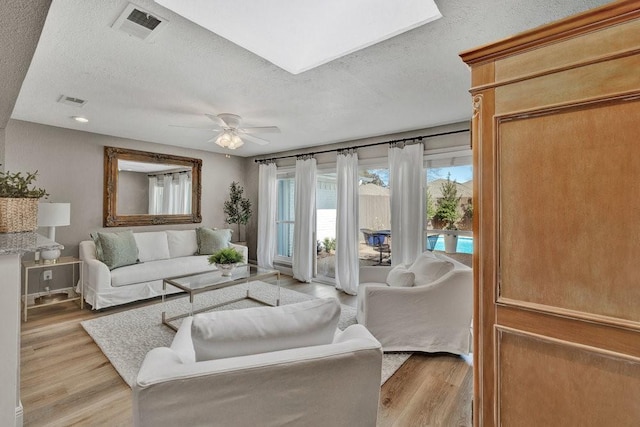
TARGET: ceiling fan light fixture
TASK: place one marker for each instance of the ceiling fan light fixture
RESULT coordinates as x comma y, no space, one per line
229,139
224,140
236,141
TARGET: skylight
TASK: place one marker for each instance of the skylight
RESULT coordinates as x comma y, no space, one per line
298,35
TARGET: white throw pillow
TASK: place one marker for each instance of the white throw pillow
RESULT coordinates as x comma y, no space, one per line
400,276
232,333
429,268
182,242
152,246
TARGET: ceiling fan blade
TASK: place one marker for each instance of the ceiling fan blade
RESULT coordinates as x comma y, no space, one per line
260,129
195,127
254,139
217,120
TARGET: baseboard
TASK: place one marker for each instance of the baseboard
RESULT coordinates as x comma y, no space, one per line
282,268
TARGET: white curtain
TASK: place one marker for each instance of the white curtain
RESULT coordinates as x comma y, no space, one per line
183,195
304,244
267,204
406,179
154,199
347,262
167,194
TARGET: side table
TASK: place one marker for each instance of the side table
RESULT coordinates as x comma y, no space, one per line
68,260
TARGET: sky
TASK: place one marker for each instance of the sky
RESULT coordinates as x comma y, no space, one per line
458,173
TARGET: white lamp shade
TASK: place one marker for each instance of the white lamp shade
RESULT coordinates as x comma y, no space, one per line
54,214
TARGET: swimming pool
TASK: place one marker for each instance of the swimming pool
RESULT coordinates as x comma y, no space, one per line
465,244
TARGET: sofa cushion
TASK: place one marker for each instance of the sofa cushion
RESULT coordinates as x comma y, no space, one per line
211,240
182,242
400,276
428,268
232,333
117,249
152,245
158,270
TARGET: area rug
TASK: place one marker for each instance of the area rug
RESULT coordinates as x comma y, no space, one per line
126,337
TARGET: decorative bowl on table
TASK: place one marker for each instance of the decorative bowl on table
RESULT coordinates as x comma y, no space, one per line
227,269
226,260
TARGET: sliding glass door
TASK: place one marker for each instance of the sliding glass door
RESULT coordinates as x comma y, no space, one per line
375,216
326,200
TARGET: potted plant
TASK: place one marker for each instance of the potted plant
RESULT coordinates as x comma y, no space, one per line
449,214
226,260
19,202
237,208
329,245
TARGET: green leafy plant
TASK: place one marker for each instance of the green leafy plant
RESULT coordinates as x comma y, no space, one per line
16,185
237,208
226,256
329,244
431,207
447,210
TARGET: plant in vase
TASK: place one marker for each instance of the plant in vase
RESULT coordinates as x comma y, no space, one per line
448,212
237,208
19,202
226,260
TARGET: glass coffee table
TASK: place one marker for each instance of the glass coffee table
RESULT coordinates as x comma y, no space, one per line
206,281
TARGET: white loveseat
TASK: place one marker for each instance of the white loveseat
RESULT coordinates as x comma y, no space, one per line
427,306
162,254
291,366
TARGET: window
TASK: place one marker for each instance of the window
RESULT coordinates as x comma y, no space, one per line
449,174
285,215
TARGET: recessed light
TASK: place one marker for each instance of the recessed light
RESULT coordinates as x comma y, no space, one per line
80,119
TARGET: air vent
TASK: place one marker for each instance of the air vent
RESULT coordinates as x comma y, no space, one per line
139,23
69,100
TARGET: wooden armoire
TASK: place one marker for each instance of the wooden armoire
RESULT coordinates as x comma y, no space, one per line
556,145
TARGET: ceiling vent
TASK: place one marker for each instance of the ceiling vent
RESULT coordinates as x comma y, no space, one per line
138,22
69,100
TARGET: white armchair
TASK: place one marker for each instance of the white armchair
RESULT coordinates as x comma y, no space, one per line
433,315
334,384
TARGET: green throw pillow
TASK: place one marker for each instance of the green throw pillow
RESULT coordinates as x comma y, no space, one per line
211,241
117,249
96,241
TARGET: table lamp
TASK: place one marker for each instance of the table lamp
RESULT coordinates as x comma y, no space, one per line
53,215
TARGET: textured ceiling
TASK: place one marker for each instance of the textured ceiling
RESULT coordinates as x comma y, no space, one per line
136,89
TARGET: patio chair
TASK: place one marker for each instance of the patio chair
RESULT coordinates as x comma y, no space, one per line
378,240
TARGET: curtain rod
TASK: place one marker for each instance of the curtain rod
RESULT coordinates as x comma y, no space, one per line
413,138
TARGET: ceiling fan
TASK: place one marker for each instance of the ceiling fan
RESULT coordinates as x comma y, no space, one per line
230,134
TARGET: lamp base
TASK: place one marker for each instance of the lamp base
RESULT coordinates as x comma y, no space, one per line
50,256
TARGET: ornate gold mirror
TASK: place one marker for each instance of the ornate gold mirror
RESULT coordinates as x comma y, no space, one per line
143,188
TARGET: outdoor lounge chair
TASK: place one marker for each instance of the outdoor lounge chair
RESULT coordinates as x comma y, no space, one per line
379,240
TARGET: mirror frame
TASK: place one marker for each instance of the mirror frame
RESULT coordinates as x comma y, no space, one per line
110,215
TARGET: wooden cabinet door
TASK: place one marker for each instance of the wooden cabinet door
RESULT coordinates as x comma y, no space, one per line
556,138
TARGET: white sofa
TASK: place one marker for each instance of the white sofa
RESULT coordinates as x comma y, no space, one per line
334,382
162,254
427,306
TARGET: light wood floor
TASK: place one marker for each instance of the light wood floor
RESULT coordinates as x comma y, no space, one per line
66,380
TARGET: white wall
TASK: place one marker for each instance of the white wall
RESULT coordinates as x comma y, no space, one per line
70,167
